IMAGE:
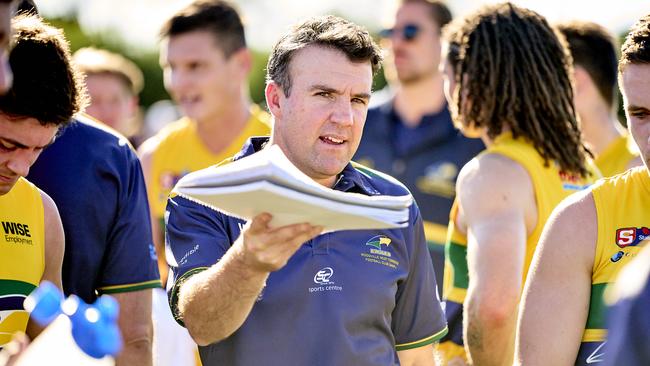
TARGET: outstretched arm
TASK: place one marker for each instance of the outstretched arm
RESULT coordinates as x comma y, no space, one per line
215,303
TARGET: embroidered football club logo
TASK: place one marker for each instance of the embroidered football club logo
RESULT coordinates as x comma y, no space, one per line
380,252
631,236
378,241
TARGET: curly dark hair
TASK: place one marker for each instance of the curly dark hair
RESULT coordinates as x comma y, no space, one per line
327,31
46,86
512,71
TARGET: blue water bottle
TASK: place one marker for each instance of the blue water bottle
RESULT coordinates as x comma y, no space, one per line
76,333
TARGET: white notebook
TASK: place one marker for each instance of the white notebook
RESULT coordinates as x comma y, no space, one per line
267,182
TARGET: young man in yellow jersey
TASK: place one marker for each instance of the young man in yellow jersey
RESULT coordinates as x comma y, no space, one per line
43,98
206,64
593,50
508,81
589,238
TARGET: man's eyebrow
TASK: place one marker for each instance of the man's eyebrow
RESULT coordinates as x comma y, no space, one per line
362,95
635,108
20,145
329,89
325,88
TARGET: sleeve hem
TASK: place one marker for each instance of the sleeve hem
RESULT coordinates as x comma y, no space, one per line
173,295
422,342
129,287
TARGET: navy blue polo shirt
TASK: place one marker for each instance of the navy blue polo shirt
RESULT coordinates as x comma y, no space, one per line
94,177
344,298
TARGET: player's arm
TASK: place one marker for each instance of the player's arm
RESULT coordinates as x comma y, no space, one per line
54,249
421,356
136,326
495,200
145,153
216,302
555,303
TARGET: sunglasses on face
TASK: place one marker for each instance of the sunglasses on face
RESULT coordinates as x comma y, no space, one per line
408,32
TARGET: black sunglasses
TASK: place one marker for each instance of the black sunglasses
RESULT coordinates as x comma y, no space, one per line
408,32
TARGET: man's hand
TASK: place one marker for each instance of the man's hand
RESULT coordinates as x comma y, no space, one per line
266,249
216,302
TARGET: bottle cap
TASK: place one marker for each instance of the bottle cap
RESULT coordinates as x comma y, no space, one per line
94,327
44,303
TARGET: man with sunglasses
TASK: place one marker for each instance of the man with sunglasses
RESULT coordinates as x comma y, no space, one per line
411,136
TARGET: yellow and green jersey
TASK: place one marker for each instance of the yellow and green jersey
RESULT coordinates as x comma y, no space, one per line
22,254
622,206
550,185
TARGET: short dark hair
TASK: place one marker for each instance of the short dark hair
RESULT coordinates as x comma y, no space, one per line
46,86
438,10
326,31
594,49
513,73
218,17
636,48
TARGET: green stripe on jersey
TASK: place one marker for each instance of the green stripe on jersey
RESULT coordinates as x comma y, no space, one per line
12,287
597,307
130,287
457,255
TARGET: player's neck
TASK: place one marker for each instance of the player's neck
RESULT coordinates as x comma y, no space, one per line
217,132
599,129
419,98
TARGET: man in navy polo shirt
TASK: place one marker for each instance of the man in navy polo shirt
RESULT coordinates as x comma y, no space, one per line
255,294
411,136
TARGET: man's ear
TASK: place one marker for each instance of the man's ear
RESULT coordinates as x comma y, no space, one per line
274,98
583,81
243,60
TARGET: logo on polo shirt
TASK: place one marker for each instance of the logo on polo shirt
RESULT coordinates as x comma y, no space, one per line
323,278
379,252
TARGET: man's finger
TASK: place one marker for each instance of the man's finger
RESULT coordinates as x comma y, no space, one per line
260,223
305,236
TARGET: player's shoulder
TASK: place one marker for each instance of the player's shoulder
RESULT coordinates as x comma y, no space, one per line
170,134
491,171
